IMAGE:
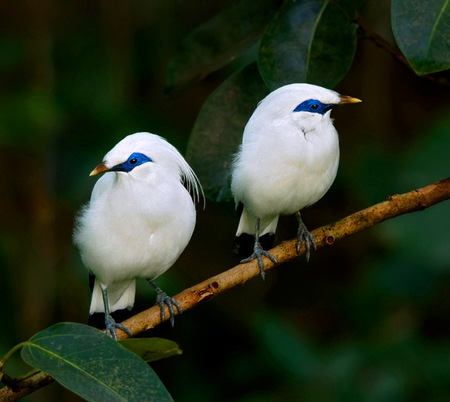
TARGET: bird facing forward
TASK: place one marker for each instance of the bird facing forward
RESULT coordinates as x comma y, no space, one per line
287,161
139,220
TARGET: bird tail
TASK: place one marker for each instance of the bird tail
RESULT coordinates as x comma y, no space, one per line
245,234
120,296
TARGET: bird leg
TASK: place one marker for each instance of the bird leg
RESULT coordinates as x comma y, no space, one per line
161,299
110,323
258,252
304,234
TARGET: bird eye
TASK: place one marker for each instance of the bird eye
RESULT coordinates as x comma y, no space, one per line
133,161
314,106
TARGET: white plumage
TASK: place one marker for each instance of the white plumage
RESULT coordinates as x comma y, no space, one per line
139,220
287,161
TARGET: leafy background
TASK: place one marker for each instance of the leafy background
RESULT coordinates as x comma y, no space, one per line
367,319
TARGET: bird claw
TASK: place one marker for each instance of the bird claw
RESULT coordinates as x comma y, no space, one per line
258,252
304,234
161,299
111,326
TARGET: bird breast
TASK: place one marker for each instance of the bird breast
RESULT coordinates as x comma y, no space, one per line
288,171
135,229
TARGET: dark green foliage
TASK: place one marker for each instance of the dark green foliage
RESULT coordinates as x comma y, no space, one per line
151,349
310,41
218,41
218,130
93,365
422,31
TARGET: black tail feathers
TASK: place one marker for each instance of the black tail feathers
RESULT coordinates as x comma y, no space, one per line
243,244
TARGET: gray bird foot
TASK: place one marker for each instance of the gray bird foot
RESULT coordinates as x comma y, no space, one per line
304,234
258,252
111,325
161,299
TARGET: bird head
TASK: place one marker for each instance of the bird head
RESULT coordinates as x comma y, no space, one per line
305,104
133,161
145,155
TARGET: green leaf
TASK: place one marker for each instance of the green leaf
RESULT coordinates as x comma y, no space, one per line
217,132
92,365
151,349
310,41
422,32
218,41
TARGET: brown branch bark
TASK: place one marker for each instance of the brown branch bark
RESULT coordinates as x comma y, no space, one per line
25,387
395,205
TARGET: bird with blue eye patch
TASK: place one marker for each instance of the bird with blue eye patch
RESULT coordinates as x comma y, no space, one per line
135,159
287,161
140,218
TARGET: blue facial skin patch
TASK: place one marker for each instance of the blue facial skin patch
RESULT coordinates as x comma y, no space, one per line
314,106
134,160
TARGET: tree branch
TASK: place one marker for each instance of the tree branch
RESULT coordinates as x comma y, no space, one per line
25,387
395,205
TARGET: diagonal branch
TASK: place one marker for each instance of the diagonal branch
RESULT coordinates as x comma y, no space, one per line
395,205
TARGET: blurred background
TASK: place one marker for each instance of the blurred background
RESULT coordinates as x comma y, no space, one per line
367,319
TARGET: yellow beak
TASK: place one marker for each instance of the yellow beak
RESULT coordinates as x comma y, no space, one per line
99,169
348,99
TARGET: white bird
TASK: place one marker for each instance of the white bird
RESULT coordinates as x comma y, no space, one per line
287,161
139,220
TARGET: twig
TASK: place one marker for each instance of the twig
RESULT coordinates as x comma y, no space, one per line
395,205
25,387
393,51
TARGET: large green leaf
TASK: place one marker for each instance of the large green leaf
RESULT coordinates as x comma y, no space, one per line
310,41
151,349
422,31
219,41
92,365
218,130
